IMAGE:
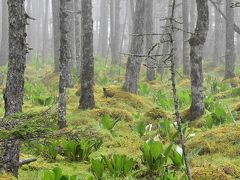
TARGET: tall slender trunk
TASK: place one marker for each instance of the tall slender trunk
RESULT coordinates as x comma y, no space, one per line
78,35
217,36
45,32
14,92
4,50
133,66
197,42
230,47
149,39
56,33
103,29
185,50
115,30
87,76
65,57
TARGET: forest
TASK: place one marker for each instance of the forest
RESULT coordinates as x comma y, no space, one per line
119,89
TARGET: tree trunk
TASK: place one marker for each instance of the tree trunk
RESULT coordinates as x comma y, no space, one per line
134,63
196,43
87,76
65,57
185,50
4,40
78,36
45,32
103,31
230,49
149,39
14,92
56,33
71,34
217,36
115,27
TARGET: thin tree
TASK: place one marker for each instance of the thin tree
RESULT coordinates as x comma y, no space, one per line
4,38
65,57
149,39
134,62
13,96
230,47
87,67
185,49
78,35
196,42
56,33
217,36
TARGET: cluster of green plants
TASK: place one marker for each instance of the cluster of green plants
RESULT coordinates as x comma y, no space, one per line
108,123
114,167
38,94
76,150
144,89
57,174
156,156
219,113
215,85
163,100
73,150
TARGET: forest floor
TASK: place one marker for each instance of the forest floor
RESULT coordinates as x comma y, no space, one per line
213,141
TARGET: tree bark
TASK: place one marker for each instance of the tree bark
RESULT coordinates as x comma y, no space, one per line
87,76
103,31
115,30
149,39
217,36
78,35
197,41
230,48
65,57
56,33
4,50
134,63
45,32
185,50
14,92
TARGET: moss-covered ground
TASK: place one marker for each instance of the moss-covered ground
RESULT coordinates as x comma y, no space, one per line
214,147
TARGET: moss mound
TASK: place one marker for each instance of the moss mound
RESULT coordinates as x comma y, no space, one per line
224,140
157,113
114,113
209,172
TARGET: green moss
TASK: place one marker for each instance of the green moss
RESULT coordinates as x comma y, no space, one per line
209,172
157,113
224,140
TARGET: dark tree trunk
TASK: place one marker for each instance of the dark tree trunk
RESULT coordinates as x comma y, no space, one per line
78,35
134,63
65,57
4,40
14,92
230,49
103,31
56,33
197,41
185,50
149,39
87,76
